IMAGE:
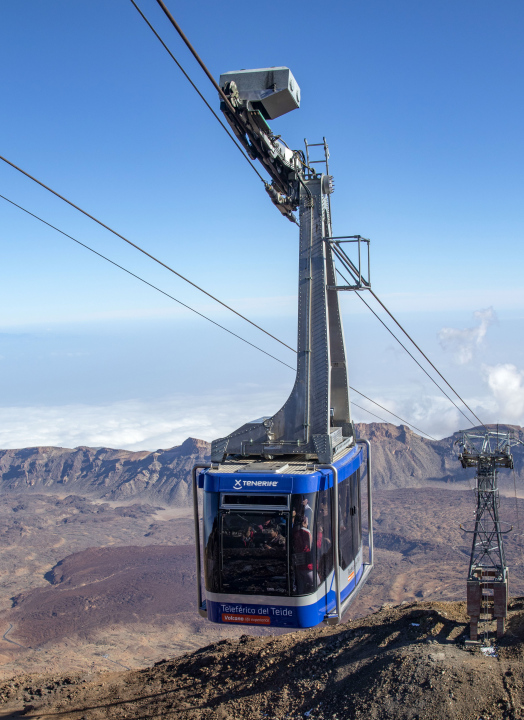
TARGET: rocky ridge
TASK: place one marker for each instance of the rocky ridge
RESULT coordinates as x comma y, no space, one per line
401,459
104,473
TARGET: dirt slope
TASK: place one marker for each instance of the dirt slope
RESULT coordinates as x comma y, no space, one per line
406,662
76,608
101,587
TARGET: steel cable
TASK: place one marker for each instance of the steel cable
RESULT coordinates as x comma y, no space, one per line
410,354
354,404
144,252
426,358
193,85
195,55
175,272
225,99
146,282
391,413
137,247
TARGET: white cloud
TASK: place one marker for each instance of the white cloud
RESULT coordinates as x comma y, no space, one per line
135,424
506,384
502,403
153,424
162,423
464,343
431,414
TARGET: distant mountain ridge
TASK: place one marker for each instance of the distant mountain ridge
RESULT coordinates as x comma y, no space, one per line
401,458
163,475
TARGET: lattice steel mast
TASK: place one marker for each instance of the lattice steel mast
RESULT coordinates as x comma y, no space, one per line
487,588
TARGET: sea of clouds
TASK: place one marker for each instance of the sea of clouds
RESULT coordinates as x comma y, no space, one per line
149,424
132,424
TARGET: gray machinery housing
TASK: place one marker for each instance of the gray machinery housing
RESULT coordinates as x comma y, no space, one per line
315,421
273,91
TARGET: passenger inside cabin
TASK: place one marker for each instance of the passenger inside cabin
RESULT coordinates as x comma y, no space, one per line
302,558
320,536
324,554
276,540
247,536
265,525
324,544
307,510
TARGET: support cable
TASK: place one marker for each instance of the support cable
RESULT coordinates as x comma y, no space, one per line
391,413
354,404
167,267
197,57
146,282
426,357
95,252
198,91
414,359
199,60
144,252
225,99
405,348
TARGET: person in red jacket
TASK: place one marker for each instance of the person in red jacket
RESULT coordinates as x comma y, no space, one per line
302,557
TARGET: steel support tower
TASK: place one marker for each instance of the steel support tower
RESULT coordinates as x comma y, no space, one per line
315,421
487,584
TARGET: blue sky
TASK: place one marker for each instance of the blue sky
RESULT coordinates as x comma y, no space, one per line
422,106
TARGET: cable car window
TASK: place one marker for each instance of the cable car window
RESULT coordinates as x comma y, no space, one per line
361,477
249,499
254,552
211,543
356,521
346,511
324,536
304,571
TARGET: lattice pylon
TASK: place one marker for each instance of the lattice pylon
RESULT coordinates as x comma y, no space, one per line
487,588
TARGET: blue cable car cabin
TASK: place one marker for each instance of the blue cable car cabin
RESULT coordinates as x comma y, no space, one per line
271,533
282,528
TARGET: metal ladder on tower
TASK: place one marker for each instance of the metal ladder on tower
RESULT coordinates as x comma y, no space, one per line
324,160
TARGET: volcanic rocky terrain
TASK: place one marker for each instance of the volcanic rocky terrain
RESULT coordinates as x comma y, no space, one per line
97,574
405,663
